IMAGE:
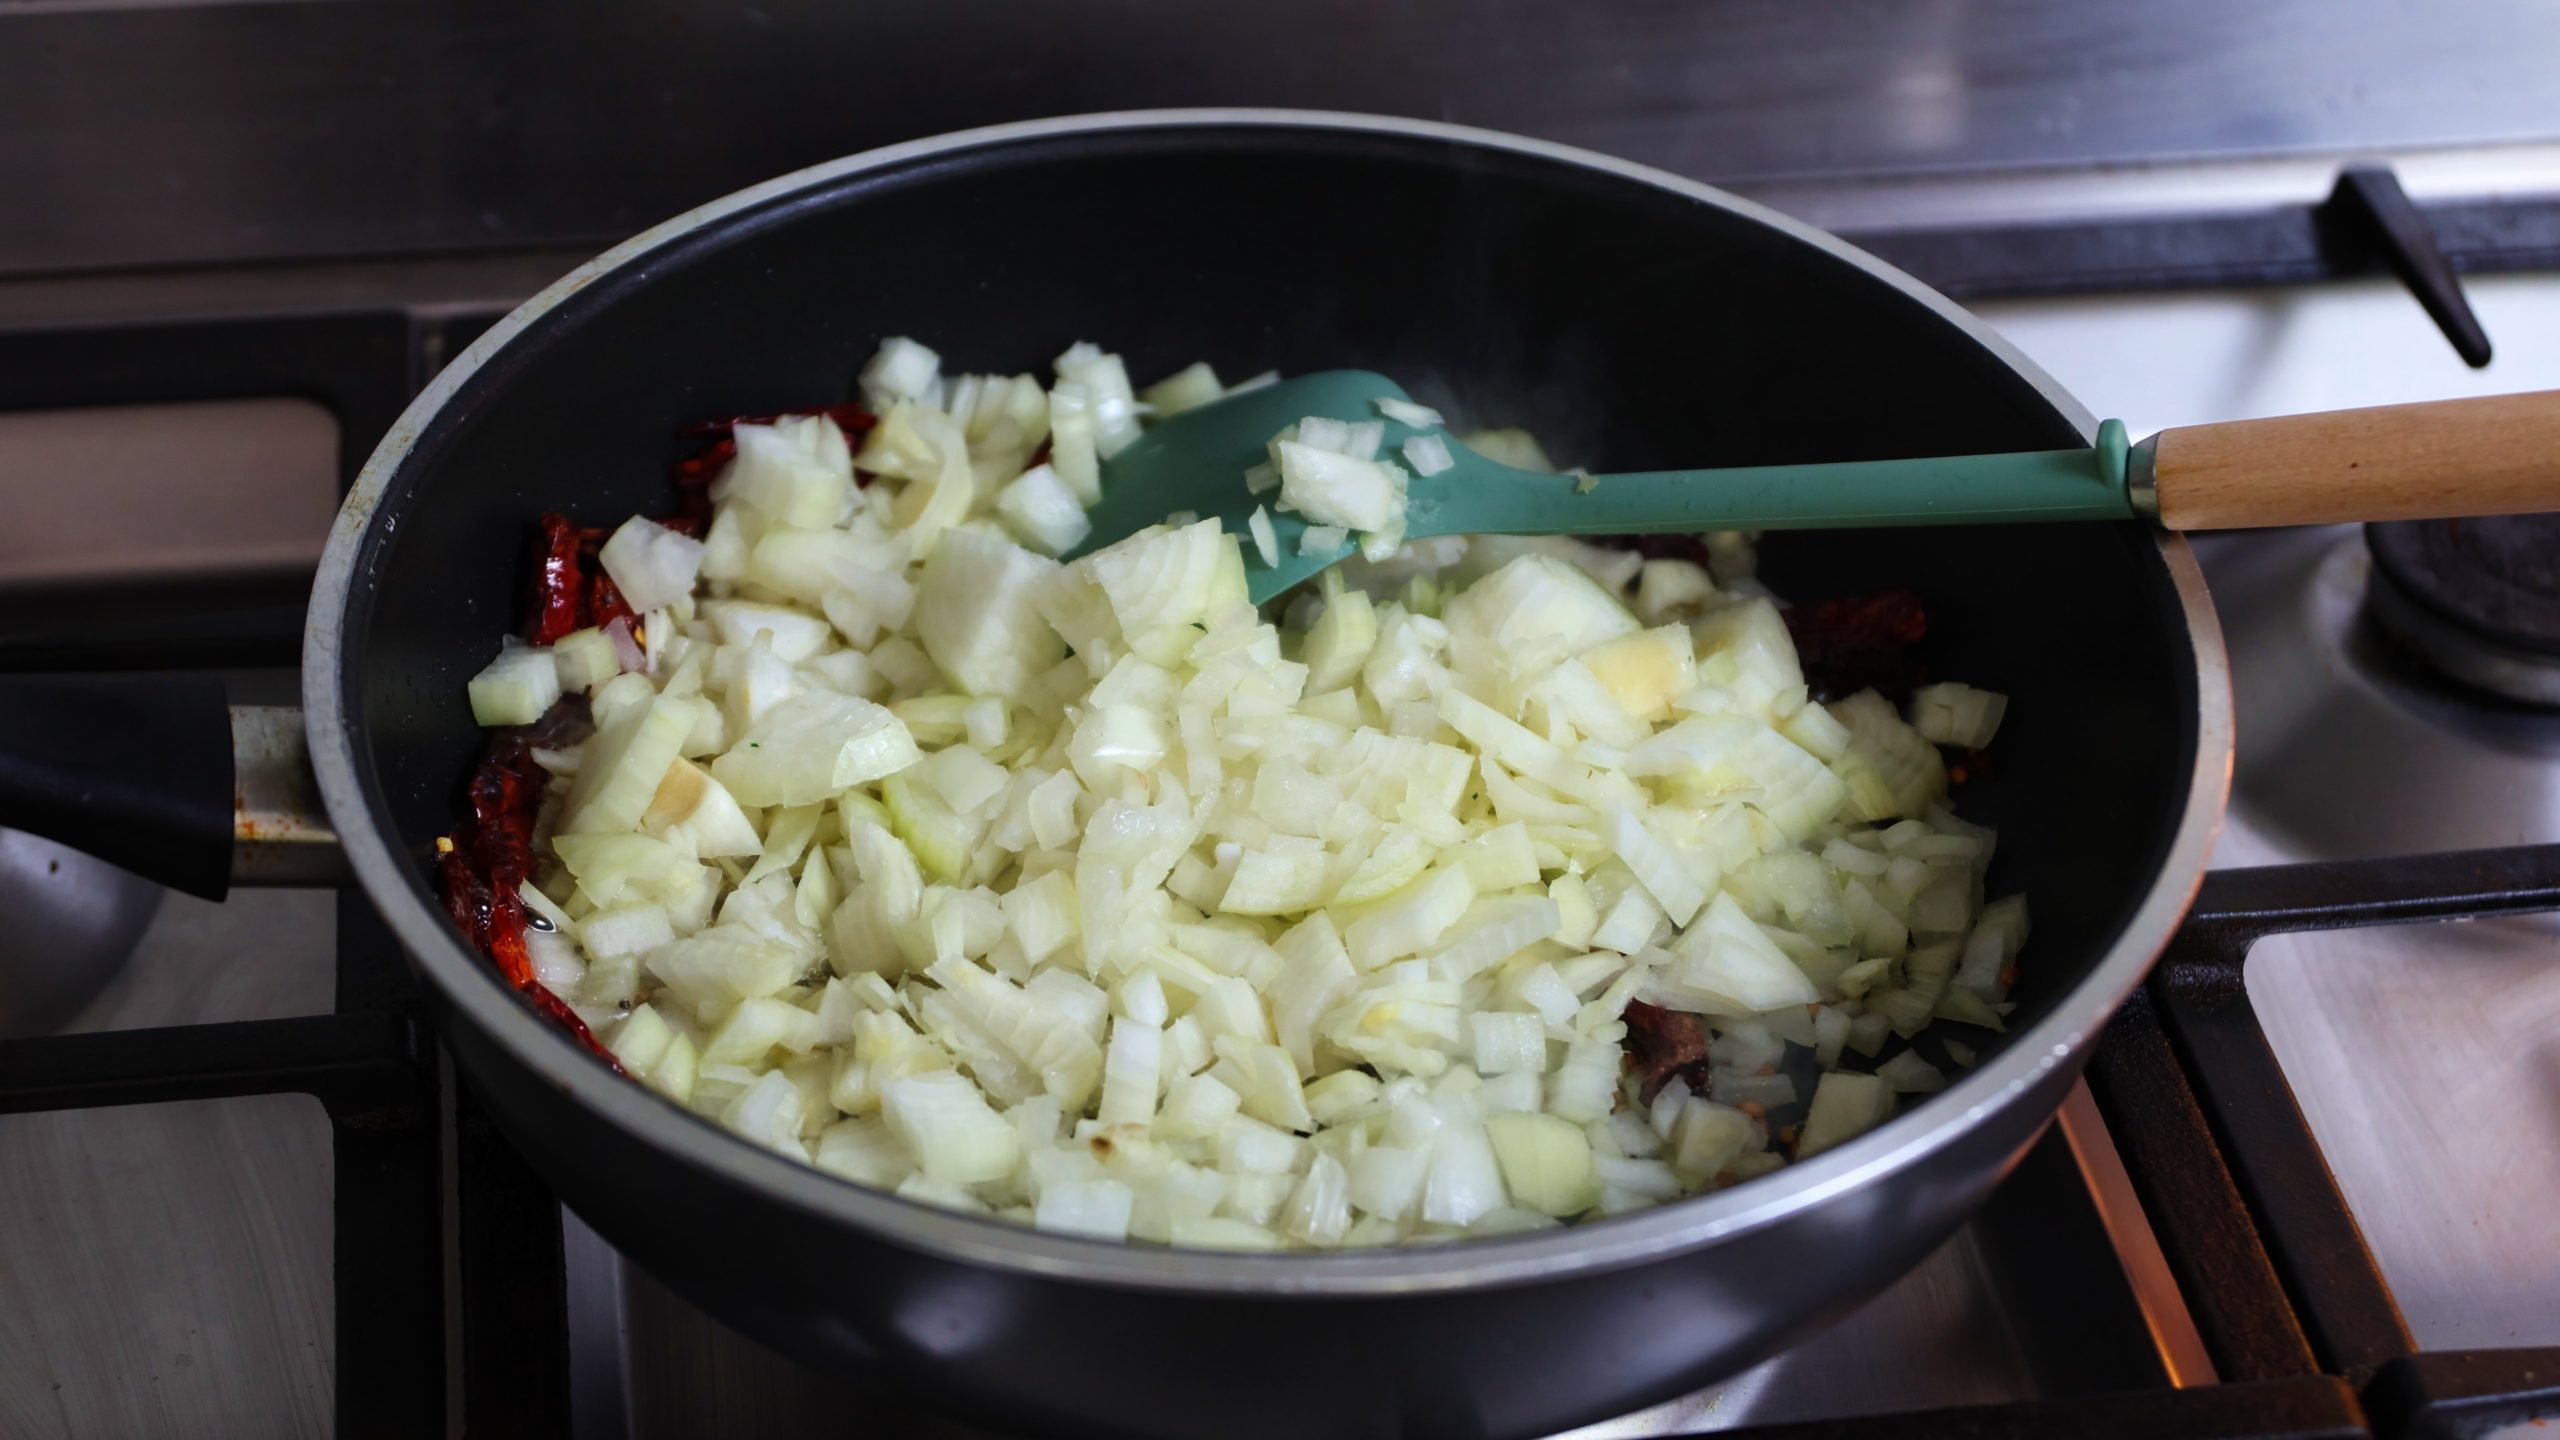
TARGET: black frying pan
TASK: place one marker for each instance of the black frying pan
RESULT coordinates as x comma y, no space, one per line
1633,320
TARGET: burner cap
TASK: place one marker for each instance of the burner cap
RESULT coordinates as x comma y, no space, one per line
2479,599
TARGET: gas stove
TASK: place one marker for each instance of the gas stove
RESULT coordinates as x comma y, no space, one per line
2301,1193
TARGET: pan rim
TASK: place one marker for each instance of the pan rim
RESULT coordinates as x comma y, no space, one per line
391,883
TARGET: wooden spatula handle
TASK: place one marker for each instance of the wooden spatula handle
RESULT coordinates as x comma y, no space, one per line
2496,455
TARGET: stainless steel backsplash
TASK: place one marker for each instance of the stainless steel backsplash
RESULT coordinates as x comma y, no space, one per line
138,133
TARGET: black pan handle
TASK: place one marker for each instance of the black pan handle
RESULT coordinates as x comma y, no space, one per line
162,777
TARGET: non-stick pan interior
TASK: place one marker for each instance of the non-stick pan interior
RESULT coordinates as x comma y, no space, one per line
1629,326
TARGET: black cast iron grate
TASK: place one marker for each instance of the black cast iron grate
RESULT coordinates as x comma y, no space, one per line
2266,1252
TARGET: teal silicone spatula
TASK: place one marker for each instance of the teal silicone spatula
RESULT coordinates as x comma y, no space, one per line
2495,455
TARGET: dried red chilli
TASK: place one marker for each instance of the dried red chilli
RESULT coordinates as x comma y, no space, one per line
1664,1044
491,860
693,476
559,592
1864,642
571,590
605,603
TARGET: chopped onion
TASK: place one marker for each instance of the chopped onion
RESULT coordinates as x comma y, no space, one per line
1711,1137
1332,488
1413,917
978,615
1662,873
948,1126
1043,511
793,472
1845,1105
1087,895
1265,543
1507,1043
1406,412
1908,1074
1427,454
1322,539
1192,386
1098,1209
1952,714
588,658
1071,440
1465,1179
1132,1073
622,766
1998,933
1546,1162
1670,589
1728,962
900,370
1319,1211
812,746
1493,930
1890,754
517,688
653,566
1105,381
1533,598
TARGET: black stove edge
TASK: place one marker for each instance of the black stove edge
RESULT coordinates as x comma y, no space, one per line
361,365
2367,225
2275,245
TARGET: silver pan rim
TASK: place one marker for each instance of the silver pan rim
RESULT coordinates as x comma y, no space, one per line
391,882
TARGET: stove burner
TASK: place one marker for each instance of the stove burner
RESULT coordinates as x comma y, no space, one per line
2477,599
73,923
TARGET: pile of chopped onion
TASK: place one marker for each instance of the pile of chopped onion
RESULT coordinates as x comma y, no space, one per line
1090,896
